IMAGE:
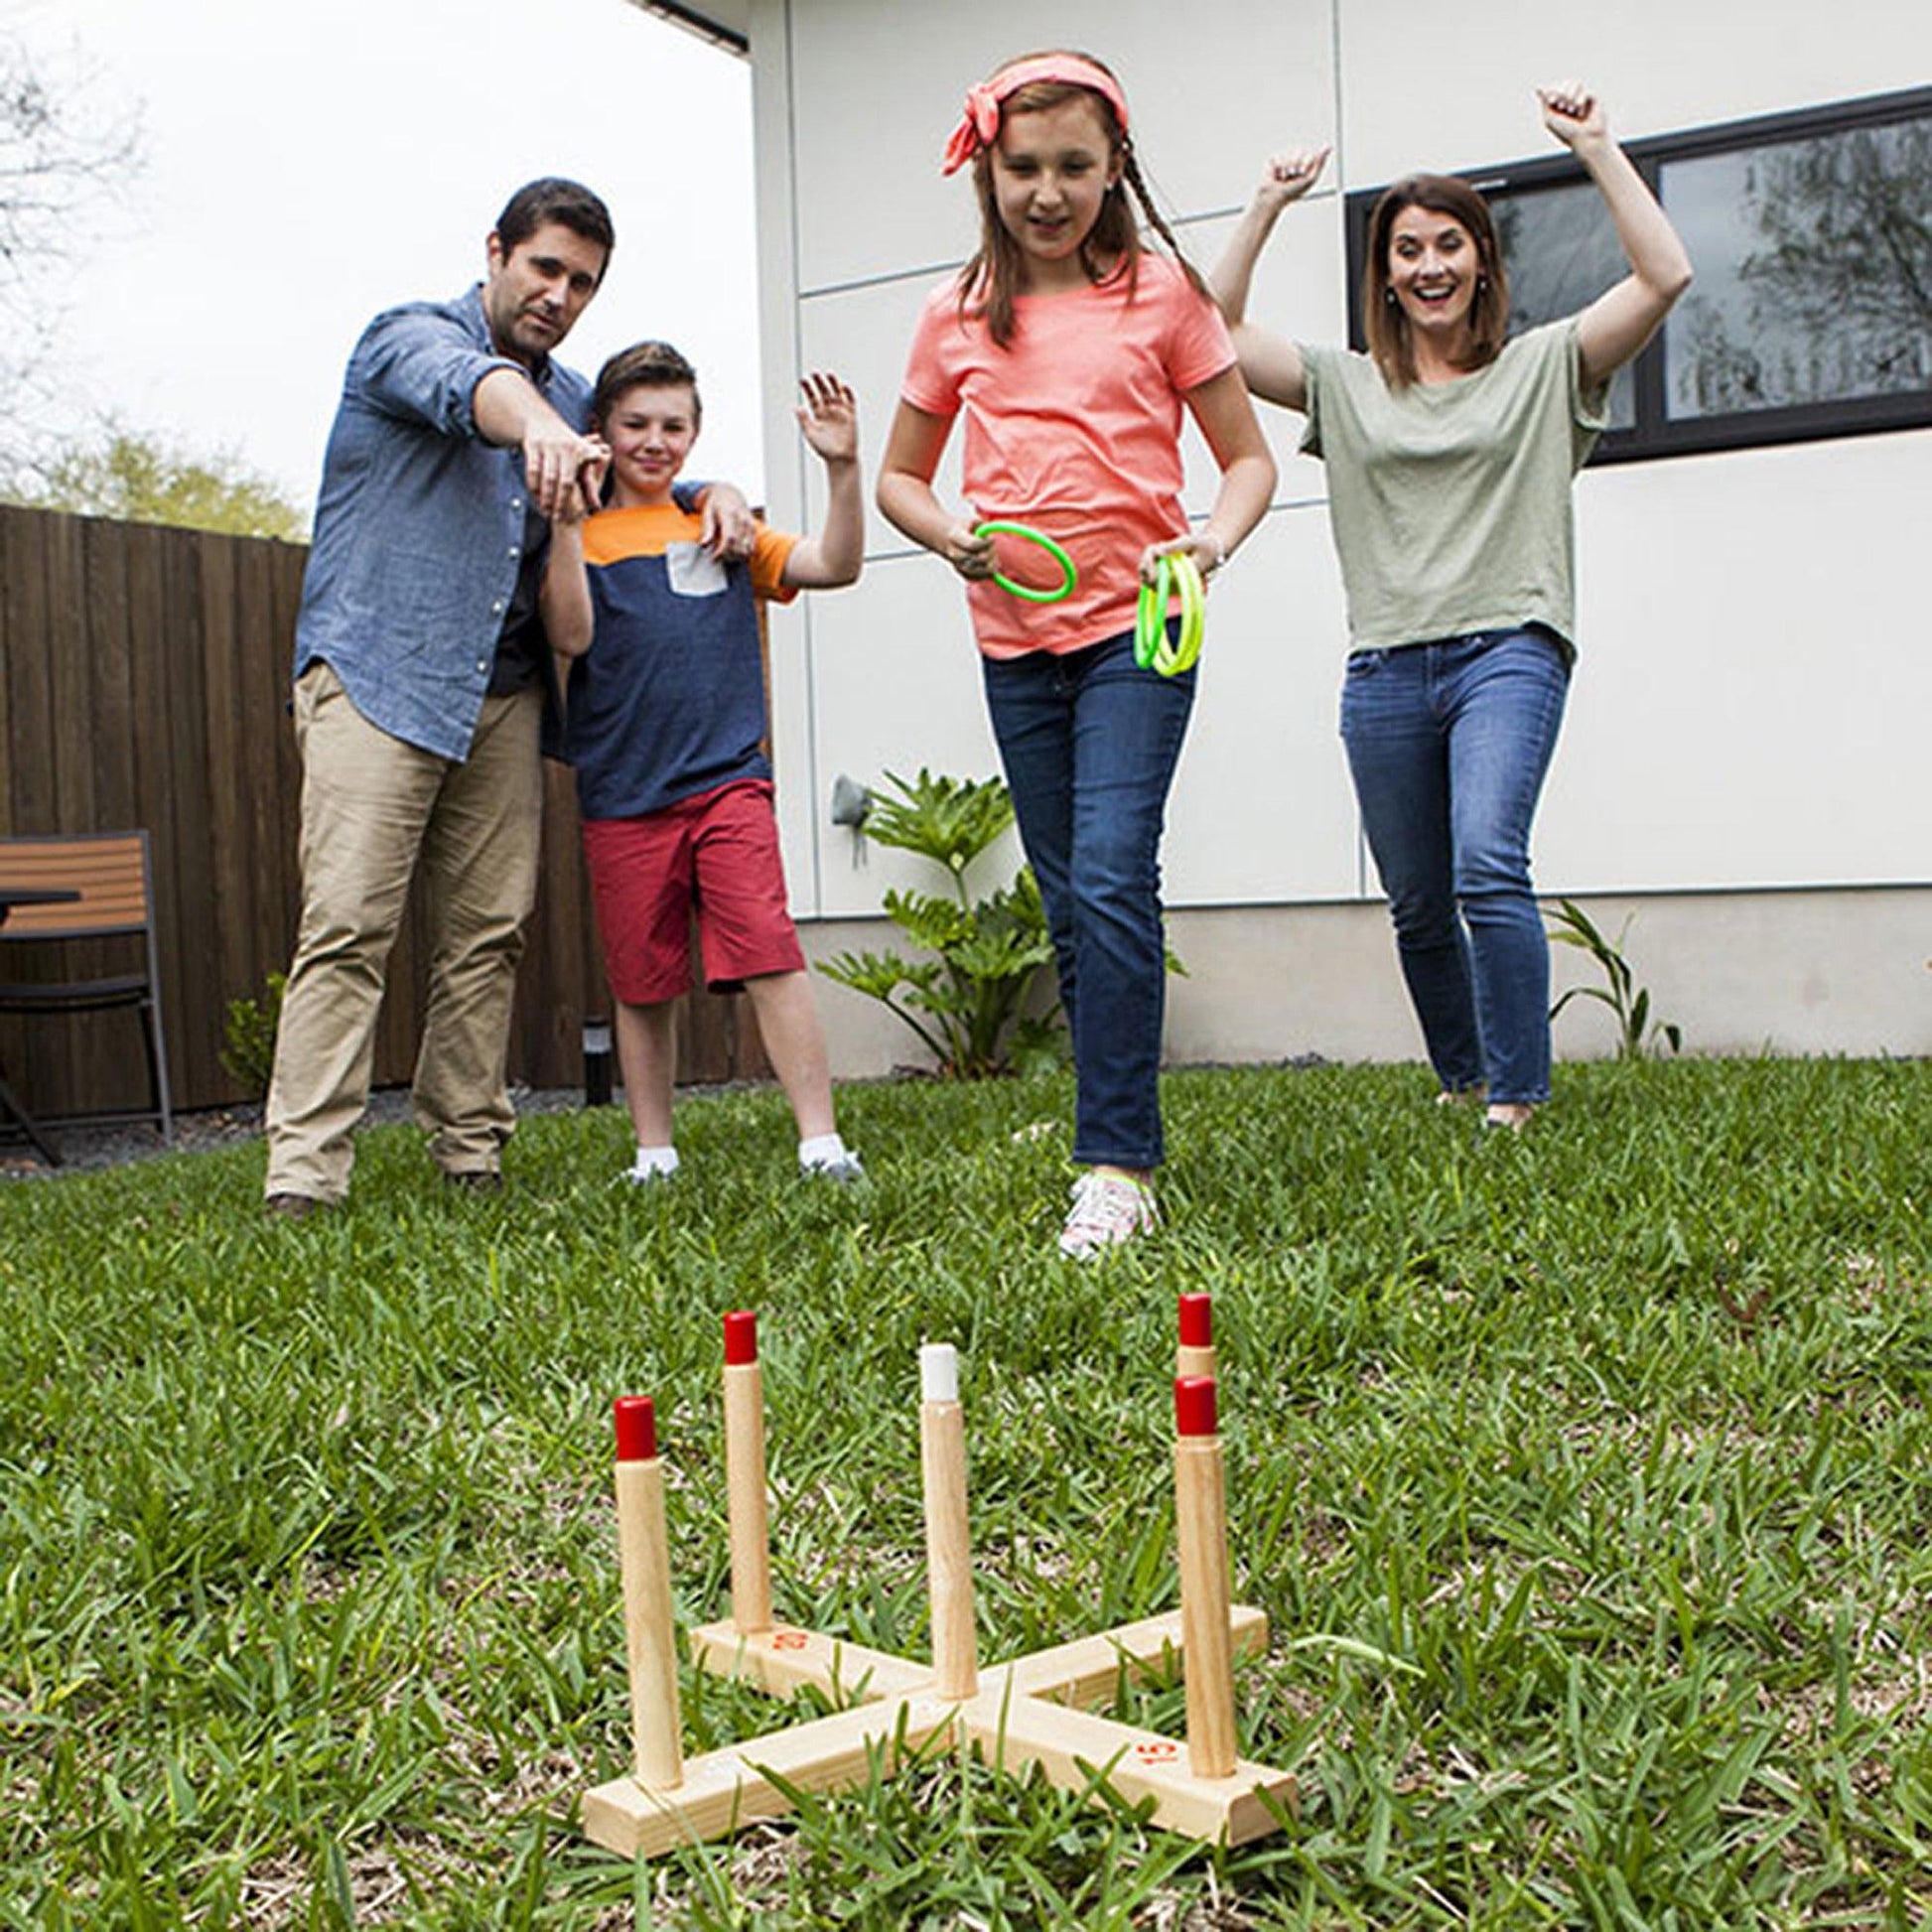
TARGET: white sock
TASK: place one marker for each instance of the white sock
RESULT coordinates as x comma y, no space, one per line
821,1150
655,1159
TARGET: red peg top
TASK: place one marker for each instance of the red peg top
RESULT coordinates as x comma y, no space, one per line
741,1337
1193,1405
636,1428
1197,1322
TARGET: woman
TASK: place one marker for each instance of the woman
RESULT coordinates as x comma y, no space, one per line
1450,453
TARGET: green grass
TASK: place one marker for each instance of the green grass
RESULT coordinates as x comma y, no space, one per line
1585,1478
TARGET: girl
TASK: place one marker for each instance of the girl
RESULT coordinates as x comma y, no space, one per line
1072,351
1450,455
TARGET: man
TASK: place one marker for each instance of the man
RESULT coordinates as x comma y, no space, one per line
421,672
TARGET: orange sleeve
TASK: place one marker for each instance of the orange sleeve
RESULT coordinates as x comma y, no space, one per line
769,558
602,537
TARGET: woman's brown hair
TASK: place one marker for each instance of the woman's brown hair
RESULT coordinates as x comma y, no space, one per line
1385,322
990,281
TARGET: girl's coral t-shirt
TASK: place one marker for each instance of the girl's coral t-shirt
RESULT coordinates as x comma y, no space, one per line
1075,430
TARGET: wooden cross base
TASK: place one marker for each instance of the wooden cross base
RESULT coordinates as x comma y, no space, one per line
1032,1709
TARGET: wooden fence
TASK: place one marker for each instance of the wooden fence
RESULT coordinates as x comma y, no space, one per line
144,680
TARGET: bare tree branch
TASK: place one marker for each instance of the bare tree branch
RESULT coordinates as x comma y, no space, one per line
67,153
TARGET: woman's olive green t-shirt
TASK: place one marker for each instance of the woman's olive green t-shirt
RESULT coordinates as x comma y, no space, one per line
1449,501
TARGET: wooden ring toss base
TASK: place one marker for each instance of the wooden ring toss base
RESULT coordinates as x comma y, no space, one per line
1037,1709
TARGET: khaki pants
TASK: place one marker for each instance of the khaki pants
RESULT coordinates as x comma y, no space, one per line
371,807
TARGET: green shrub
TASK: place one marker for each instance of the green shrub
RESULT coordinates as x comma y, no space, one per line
248,1034
968,1001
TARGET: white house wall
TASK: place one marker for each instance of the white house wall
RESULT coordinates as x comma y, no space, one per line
1425,89
1748,712
1751,702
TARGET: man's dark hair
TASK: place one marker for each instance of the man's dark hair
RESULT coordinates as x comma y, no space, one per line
554,199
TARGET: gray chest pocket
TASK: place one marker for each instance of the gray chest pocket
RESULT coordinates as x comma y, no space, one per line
693,571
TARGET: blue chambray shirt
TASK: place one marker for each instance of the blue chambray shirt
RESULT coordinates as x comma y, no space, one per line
419,527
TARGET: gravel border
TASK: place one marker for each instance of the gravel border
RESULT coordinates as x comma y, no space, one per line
85,1148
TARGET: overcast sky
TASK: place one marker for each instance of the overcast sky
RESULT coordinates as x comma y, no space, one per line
310,162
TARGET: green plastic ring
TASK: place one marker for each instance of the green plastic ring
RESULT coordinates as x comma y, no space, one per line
1175,574
998,528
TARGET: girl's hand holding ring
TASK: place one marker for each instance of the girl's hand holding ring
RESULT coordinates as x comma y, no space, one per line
969,553
1004,526
1205,550
1176,575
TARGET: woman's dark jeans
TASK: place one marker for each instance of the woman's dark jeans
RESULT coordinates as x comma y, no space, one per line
1449,743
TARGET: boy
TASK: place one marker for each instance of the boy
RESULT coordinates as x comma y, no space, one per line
666,714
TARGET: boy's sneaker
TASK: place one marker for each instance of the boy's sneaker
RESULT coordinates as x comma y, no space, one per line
845,1168
651,1165
1108,1209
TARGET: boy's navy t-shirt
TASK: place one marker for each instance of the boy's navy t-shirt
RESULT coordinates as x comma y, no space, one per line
669,699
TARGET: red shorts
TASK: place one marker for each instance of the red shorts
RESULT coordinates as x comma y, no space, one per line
718,852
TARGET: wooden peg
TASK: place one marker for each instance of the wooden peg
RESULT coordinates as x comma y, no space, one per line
644,1559
1201,1518
745,1490
949,1540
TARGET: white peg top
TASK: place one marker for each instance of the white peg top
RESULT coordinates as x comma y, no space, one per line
938,1372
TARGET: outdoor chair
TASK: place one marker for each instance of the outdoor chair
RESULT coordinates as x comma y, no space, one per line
89,886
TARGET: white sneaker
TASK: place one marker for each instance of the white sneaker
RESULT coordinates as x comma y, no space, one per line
652,1164
845,1169
1108,1209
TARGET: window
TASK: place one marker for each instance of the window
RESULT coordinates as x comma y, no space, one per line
1812,238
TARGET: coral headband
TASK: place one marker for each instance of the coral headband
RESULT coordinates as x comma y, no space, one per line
978,125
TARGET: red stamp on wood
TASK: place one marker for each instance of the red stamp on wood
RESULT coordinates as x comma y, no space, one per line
1156,1750
789,1640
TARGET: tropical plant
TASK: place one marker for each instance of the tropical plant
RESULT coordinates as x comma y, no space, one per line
1638,1036
248,1034
968,1002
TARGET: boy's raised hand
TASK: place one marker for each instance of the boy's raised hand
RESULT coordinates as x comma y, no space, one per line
828,418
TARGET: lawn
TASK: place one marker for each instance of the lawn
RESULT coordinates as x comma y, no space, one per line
1585,1476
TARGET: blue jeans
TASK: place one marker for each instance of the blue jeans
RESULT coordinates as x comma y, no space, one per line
1449,743
1089,742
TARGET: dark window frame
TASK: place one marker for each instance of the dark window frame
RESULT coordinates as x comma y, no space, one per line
1656,433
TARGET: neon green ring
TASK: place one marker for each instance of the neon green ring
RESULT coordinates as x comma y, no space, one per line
1175,574
998,527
